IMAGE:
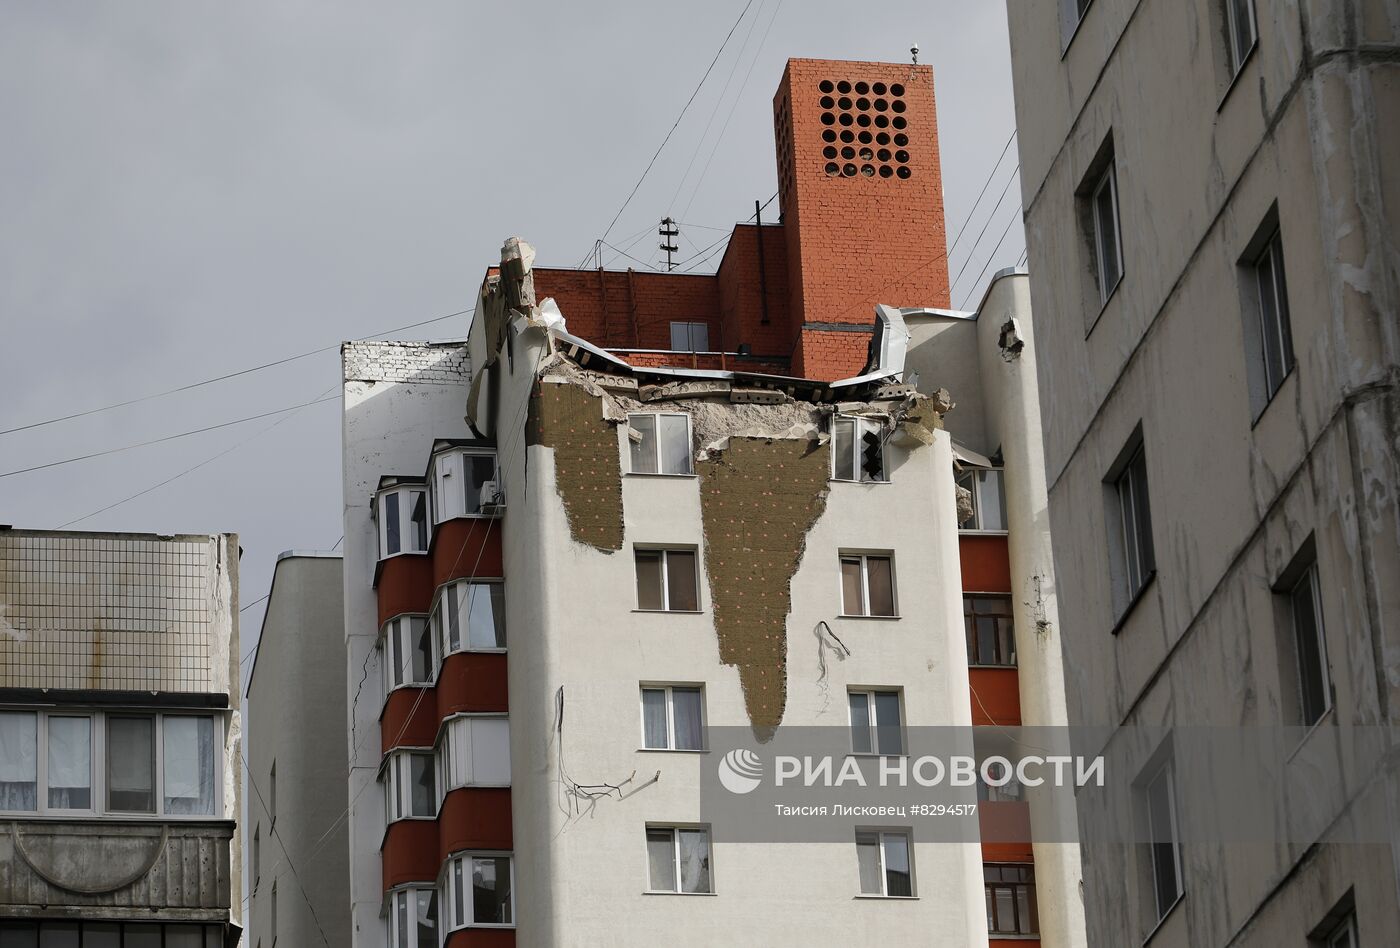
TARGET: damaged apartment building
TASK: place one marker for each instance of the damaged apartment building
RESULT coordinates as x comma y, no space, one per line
632,507
119,740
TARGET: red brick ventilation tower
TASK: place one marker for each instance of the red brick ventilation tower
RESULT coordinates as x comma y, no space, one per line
861,204
862,201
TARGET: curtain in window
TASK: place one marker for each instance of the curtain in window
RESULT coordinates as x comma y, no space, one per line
491,890
685,704
694,860
881,583
189,765
868,857
680,581
654,718
19,761
131,764
898,879
887,731
661,859
649,579
852,598
70,763
860,723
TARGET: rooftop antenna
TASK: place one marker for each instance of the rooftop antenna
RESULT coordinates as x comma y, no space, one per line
668,232
914,51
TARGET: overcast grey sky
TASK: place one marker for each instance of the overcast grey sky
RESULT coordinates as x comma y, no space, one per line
190,188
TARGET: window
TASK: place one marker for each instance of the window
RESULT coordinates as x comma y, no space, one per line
988,498
413,918
55,934
679,859
19,761
867,585
272,913
1007,789
1345,934
1310,645
660,444
673,717
884,861
131,764
409,657
1010,891
257,856
272,795
402,514
1163,840
875,723
1108,246
188,763
410,785
1243,32
456,477
666,581
991,638
1272,339
478,890
475,752
690,337
858,450
70,762
1130,524
483,607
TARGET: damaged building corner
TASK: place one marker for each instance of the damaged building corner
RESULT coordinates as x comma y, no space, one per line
587,471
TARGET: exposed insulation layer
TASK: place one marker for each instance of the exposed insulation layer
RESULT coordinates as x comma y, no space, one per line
758,499
587,468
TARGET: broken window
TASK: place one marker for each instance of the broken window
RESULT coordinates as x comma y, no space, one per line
991,638
867,585
673,717
1010,892
678,859
661,443
1159,797
470,616
412,918
690,337
409,654
410,785
857,449
477,891
1130,523
1243,32
666,580
988,490
876,726
403,521
999,784
457,478
886,868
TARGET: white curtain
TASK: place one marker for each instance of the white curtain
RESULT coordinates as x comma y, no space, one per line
695,860
868,857
19,761
661,857
686,705
189,765
70,763
654,718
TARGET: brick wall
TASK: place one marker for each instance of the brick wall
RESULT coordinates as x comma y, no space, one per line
442,363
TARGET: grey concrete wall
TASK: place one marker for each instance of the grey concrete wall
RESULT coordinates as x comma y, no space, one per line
296,719
1202,155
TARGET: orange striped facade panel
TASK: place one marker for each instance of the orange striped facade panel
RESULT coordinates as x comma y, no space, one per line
472,682
474,818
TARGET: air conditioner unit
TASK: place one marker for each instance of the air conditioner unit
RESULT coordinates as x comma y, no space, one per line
493,499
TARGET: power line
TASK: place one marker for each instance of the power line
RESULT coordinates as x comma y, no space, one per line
647,170
991,174
222,378
143,444
985,224
1015,215
272,827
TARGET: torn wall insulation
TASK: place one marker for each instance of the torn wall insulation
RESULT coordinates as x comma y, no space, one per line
758,499
587,468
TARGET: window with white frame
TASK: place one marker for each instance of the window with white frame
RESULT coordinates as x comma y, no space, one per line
410,785
690,337
474,751
885,862
479,891
988,490
1345,935
412,917
673,717
1309,645
1101,196
1243,32
660,443
1130,523
1164,841
867,585
678,859
1272,339
52,762
410,656
858,449
402,515
470,616
876,725
667,580
456,478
